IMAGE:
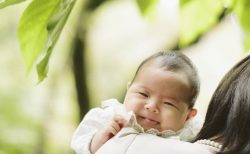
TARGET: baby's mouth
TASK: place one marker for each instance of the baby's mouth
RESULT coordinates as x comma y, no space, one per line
147,121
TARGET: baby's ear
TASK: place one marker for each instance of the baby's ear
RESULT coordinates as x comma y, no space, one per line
128,84
192,113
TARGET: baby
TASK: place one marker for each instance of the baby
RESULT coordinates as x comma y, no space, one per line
159,101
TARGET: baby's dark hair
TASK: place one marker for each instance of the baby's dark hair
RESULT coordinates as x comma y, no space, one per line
179,63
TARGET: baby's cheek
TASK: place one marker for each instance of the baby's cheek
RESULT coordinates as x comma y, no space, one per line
173,122
179,123
129,106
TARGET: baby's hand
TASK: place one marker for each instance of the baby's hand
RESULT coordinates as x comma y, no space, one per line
112,128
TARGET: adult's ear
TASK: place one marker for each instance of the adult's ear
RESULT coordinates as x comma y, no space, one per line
192,113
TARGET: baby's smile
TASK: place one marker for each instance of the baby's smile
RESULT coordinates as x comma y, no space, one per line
147,121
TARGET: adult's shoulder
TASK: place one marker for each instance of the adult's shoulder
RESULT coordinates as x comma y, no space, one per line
148,144
174,146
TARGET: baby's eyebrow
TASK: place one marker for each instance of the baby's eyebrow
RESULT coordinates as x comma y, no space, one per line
142,87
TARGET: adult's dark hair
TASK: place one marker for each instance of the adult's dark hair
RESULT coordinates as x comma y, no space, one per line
176,62
228,115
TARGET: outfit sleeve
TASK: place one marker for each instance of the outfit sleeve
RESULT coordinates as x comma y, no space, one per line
93,121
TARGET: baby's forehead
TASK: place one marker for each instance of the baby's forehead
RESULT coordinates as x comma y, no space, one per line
171,66
157,62
155,69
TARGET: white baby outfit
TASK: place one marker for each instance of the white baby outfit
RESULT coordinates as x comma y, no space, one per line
131,139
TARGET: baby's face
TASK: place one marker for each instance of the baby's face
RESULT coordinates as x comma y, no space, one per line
158,99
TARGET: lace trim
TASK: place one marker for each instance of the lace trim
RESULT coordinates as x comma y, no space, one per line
137,127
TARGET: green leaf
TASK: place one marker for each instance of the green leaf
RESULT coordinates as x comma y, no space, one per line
242,10
42,67
197,17
32,30
39,29
55,27
146,6
5,3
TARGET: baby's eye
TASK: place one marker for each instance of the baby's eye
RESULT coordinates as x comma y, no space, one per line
169,104
143,94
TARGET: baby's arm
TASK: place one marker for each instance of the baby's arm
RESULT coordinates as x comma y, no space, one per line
103,135
95,129
94,124
94,120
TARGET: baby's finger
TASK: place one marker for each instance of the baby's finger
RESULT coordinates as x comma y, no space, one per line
114,128
119,119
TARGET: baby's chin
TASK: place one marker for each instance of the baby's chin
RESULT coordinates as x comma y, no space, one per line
149,125
157,127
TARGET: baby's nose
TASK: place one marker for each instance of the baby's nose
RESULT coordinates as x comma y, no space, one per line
151,107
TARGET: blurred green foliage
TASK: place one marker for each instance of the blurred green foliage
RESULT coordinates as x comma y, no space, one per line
29,114
242,10
199,16
19,131
147,6
39,29
43,21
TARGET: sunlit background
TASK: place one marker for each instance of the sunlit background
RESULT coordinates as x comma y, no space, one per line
40,118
